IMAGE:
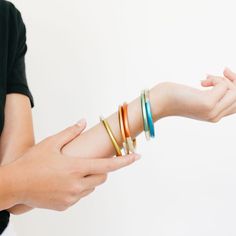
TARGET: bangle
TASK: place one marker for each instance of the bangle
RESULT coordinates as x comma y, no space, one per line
131,143
121,124
111,135
144,114
149,114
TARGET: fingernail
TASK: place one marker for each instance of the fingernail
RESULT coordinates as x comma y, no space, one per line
81,122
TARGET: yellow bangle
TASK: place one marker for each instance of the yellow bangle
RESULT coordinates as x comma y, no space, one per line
111,135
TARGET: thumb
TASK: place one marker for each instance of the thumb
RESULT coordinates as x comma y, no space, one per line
70,133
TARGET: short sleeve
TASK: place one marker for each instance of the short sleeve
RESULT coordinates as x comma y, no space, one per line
16,79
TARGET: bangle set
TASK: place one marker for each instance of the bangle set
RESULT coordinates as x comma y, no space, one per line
128,143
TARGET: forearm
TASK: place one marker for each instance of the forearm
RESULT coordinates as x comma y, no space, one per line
17,135
7,191
95,142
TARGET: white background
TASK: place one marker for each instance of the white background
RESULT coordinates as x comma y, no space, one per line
81,54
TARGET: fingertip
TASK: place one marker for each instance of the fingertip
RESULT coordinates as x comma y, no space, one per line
206,83
81,123
135,156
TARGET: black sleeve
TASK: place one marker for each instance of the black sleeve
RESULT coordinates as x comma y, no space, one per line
16,79
4,220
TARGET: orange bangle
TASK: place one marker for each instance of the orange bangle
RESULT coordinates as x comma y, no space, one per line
131,143
120,113
125,120
121,124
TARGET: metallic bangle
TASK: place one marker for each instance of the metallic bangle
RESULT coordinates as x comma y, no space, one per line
149,114
121,124
131,143
145,122
111,135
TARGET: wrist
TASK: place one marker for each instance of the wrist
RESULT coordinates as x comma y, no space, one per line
160,97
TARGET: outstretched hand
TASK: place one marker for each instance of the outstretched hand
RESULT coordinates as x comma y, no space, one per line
207,105
227,104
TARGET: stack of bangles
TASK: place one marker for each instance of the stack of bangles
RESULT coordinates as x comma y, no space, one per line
128,143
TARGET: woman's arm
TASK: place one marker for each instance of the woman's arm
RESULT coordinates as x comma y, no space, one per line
8,192
17,135
16,141
167,99
44,171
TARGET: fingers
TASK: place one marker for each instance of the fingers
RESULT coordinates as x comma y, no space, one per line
100,166
67,135
219,89
212,80
229,111
230,75
227,101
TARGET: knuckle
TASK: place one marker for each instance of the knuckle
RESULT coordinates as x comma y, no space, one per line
103,178
68,201
215,119
211,116
61,207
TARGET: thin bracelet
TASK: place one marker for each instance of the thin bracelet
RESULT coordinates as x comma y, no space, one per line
149,114
145,122
125,145
131,143
111,135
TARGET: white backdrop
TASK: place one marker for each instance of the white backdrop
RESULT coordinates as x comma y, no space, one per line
185,183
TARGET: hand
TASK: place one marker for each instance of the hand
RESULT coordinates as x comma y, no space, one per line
229,100
45,178
207,105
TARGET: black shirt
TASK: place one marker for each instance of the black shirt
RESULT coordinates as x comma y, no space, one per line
12,65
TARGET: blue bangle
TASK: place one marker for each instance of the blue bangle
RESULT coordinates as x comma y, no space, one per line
149,114
144,113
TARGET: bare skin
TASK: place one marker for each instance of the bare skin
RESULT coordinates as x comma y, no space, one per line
167,99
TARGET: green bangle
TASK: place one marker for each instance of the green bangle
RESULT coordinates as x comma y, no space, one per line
145,121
